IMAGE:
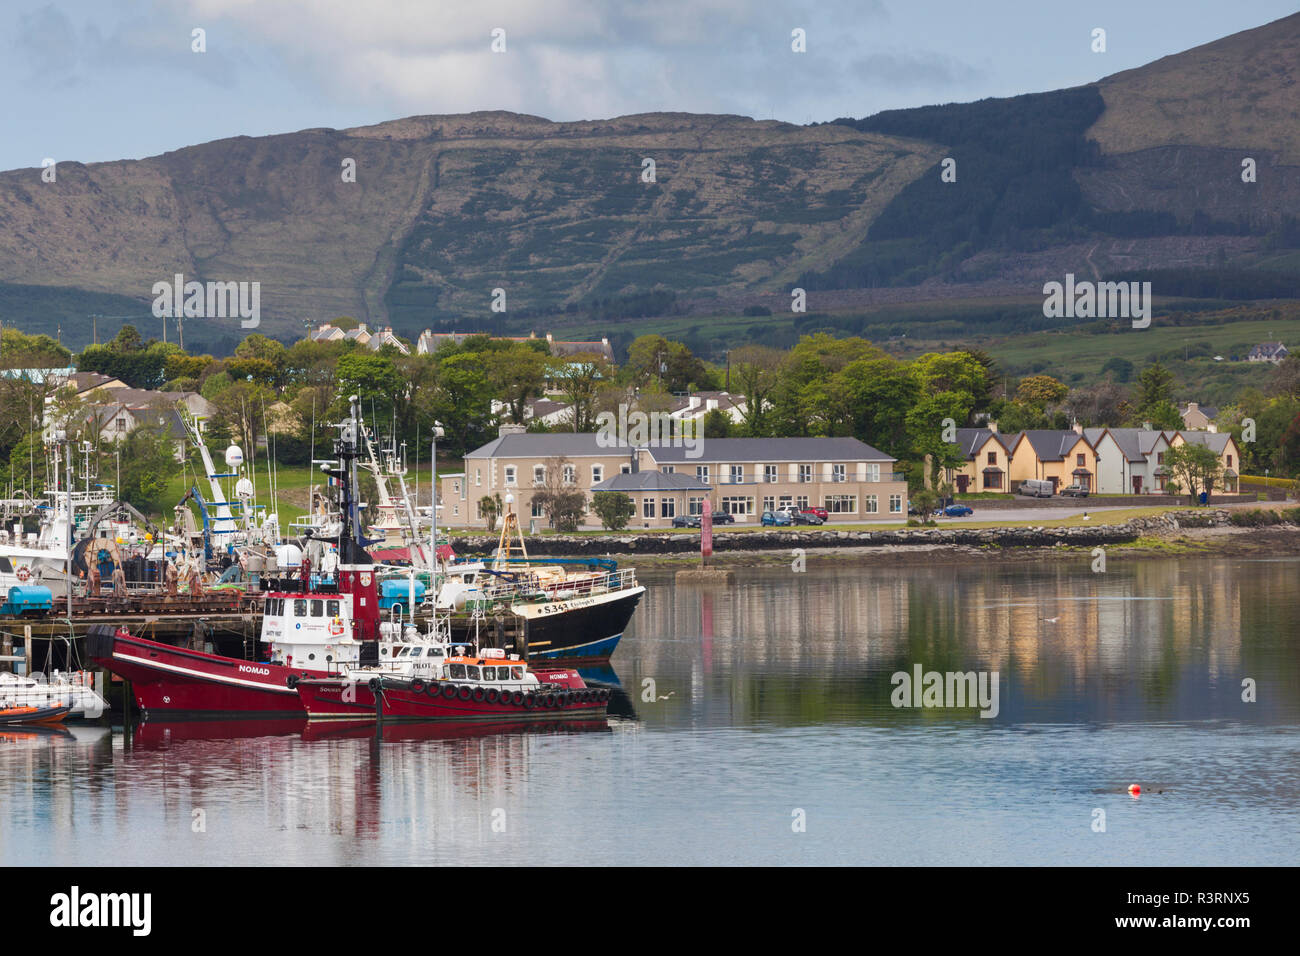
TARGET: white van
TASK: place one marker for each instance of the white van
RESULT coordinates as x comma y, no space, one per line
1035,488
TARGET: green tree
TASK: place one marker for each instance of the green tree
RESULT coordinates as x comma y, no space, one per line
580,378
1155,386
463,400
517,374
756,370
148,465
1196,467
1041,391
614,509
653,358
716,424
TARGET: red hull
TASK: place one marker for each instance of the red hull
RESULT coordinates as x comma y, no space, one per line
324,700
459,730
174,682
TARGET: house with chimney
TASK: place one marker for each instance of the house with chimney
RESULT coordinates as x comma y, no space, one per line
1223,445
988,461
1130,461
1062,456
1199,417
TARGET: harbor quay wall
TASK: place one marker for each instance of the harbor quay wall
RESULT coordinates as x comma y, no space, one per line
579,545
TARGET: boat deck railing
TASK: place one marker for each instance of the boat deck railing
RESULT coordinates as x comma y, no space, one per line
529,587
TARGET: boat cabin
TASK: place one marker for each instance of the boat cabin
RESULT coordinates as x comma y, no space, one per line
311,629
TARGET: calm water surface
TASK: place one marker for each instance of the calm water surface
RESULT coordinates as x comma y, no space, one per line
771,703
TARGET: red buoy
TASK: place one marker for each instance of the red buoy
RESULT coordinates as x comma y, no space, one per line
1134,789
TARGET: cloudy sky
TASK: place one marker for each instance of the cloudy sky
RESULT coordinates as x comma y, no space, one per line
94,80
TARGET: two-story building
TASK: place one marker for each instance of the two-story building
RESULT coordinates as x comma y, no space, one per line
988,461
1063,457
1223,445
1130,461
740,476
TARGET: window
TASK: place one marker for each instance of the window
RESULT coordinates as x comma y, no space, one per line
625,469
1080,460
785,501
317,608
416,651
805,474
738,505
517,673
801,502
667,508
993,458
695,505
1160,458
838,473
456,670
510,474
473,672
873,472
570,475
539,474
872,503
332,608
668,469
300,607
647,507
1229,461
769,503
478,477
597,474
536,509
489,673
841,504
736,474
895,504
702,473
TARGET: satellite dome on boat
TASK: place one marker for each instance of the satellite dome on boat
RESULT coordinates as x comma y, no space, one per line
244,488
288,555
234,456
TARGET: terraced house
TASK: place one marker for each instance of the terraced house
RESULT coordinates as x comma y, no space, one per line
740,476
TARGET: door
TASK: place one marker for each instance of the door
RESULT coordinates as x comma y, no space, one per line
962,482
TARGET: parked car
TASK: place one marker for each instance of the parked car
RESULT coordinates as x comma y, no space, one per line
1036,488
776,518
686,521
1075,491
819,512
804,517
956,511
913,510
722,517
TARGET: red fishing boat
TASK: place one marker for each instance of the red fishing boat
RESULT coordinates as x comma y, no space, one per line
311,631
429,680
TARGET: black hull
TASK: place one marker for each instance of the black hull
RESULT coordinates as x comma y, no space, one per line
573,636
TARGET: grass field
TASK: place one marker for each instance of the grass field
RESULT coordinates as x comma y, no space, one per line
293,483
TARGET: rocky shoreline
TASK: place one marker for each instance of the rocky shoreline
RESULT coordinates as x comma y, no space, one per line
1199,529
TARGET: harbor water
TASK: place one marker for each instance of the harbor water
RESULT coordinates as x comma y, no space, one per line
759,724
